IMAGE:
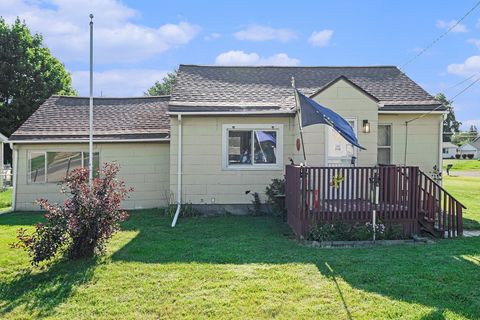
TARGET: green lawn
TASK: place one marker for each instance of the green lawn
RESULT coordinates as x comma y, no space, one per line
467,191
5,199
462,165
239,268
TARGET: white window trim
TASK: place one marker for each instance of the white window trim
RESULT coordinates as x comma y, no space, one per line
29,167
391,140
255,167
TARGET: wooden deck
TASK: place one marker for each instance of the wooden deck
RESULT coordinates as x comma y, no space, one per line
407,198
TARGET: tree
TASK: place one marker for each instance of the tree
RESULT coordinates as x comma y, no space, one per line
450,124
164,87
473,131
29,74
87,220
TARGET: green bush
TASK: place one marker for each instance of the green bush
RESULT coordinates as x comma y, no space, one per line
274,192
340,231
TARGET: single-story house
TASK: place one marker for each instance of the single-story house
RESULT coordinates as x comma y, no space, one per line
225,131
472,147
449,150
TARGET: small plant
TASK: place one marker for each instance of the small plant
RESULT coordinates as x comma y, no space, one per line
470,156
457,156
257,205
274,192
85,222
464,156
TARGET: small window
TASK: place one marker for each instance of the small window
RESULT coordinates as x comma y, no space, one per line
37,168
384,144
55,166
248,147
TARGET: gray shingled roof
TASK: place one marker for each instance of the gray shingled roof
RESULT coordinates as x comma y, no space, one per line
66,118
221,88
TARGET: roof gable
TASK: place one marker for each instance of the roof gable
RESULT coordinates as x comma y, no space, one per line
328,85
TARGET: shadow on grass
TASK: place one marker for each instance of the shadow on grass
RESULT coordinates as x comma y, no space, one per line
471,224
437,276
40,293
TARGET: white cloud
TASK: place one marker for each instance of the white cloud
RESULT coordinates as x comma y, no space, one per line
469,67
460,28
475,42
320,38
213,36
118,82
117,38
240,58
257,32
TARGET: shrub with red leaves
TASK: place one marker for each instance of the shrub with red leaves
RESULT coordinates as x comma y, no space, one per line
85,222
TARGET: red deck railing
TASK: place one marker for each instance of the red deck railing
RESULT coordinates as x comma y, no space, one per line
406,195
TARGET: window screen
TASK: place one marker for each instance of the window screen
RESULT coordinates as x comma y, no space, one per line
384,152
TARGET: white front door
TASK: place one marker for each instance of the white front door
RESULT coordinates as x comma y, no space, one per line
338,151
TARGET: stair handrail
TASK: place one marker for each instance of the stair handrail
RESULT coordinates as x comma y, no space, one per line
439,186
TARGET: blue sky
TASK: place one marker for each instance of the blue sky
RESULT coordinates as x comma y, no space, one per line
136,42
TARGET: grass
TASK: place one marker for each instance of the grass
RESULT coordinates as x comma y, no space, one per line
5,199
467,191
238,268
461,165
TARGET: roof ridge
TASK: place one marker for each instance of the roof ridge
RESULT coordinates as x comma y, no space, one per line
119,98
293,67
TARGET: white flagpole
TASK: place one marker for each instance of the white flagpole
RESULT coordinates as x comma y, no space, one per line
90,122
299,120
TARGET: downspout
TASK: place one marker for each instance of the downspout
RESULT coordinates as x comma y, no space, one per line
15,175
179,172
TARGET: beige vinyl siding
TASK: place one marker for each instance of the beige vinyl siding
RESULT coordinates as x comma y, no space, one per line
143,166
350,103
423,139
204,179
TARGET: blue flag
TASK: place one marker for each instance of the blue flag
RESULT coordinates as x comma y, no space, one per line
313,113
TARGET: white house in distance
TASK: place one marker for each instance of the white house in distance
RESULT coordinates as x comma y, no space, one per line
449,150
472,147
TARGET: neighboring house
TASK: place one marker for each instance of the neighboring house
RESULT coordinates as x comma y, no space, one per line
472,147
228,130
449,150
3,140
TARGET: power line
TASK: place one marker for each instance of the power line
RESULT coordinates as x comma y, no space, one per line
462,81
440,36
464,89
440,106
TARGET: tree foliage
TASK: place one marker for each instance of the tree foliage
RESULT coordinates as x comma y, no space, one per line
86,221
450,124
163,87
29,74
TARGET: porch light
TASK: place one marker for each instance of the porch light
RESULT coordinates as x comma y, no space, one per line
366,126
